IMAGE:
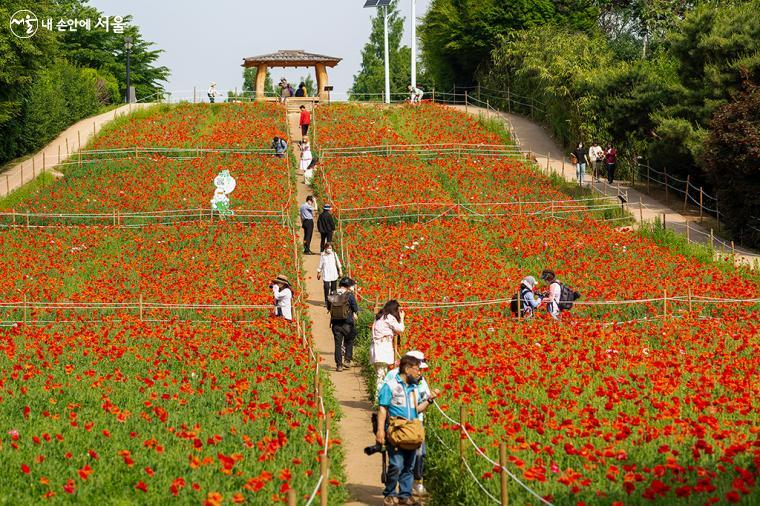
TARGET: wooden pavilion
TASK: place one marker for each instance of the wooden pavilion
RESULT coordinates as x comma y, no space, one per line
291,58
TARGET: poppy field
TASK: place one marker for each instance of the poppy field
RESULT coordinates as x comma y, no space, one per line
142,364
627,399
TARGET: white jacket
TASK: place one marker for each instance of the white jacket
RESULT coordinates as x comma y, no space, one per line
329,266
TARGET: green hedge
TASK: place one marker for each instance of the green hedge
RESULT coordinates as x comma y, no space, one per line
58,97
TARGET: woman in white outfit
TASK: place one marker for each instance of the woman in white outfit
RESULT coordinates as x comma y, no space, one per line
389,323
305,154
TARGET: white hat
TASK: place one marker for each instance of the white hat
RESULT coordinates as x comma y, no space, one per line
213,83
529,281
419,356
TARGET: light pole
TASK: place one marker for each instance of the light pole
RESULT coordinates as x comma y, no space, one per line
414,43
128,47
384,4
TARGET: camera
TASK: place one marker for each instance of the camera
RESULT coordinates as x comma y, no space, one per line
375,448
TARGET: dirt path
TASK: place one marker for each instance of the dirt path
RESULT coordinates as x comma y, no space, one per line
549,154
67,142
355,432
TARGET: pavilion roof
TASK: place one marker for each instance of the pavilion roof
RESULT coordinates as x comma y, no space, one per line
290,58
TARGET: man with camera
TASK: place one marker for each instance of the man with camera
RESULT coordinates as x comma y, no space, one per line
399,426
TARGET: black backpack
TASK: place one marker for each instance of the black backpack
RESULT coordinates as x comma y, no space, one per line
523,306
339,307
566,297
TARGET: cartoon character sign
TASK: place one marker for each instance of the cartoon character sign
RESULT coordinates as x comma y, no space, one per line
225,184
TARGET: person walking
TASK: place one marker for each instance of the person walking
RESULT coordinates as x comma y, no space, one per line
343,308
305,154
596,159
308,174
580,163
389,323
325,226
610,160
329,271
307,223
424,393
283,297
304,121
280,146
399,406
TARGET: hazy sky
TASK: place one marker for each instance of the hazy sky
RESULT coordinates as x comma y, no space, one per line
207,41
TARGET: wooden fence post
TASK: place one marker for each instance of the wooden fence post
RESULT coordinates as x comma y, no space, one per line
291,497
712,240
194,94
141,307
79,140
34,169
664,225
519,302
27,218
665,303
701,194
688,297
665,169
25,309
688,238
548,161
503,473
465,101
323,469
641,210
648,179
686,192
462,440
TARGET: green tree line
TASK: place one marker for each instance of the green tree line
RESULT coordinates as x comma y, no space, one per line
654,77
53,79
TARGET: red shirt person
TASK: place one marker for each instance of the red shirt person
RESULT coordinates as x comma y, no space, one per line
304,121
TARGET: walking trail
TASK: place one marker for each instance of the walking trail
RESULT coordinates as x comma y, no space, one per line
355,430
550,156
67,143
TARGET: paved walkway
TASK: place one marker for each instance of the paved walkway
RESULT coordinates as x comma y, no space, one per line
355,429
60,148
551,157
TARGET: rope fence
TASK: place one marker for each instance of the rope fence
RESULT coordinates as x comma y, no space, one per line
500,466
424,151
119,218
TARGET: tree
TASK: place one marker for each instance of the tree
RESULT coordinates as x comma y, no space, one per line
733,164
249,81
104,50
458,36
370,81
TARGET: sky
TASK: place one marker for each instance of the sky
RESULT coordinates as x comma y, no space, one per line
207,41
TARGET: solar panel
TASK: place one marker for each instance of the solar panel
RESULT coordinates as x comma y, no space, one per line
377,3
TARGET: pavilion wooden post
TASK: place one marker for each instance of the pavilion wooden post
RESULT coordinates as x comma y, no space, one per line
322,81
261,78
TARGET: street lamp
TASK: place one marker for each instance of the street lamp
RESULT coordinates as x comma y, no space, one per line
384,4
128,47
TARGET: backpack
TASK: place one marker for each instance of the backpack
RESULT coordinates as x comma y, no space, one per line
566,297
524,308
339,308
